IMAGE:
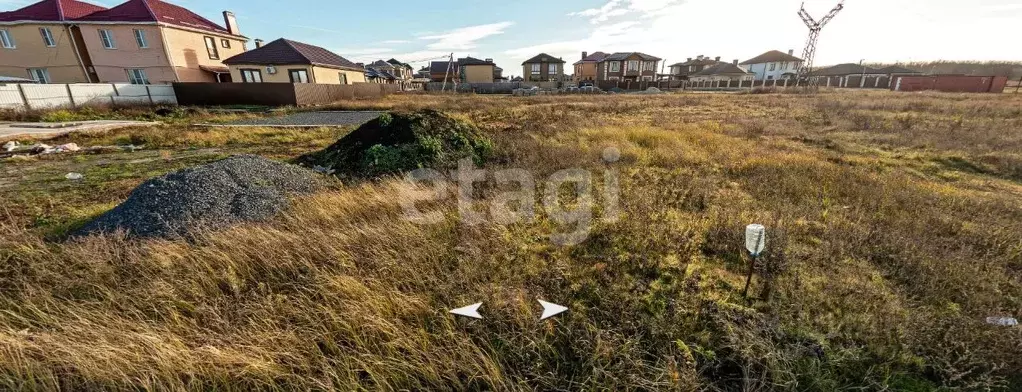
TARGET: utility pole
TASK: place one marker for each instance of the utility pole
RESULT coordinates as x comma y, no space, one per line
450,65
809,53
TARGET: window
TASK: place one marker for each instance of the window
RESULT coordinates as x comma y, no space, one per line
211,48
298,75
773,66
552,68
137,76
535,68
40,75
6,39
251,76
140,39
633,65
342,77
615,66
47,36
226,44
108,39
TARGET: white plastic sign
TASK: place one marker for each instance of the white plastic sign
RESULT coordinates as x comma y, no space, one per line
755,239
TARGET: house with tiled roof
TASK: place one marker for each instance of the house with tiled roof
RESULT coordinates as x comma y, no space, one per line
627,66
682,70
585,68
723,72
37,41
773,65
287,61
138,41
543,68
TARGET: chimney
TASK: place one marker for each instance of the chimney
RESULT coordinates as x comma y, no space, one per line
361,65
791,52
231,23
735,62
689,59
717,58
585,54
489,60
259,43
700,57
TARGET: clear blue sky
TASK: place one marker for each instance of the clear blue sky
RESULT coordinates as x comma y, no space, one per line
510,32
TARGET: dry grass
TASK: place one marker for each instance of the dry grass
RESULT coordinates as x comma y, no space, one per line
894,221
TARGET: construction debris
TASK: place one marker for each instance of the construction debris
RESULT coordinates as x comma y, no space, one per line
1002,321
11,146
74,176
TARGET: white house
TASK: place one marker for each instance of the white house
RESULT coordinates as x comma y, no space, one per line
773,65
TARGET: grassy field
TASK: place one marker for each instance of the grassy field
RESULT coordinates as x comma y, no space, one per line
894,224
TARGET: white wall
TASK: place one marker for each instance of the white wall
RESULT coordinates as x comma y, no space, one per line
762,70
43,96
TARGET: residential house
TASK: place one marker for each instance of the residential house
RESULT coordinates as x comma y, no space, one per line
37,41
840,75
774,65
897,70
724,72
139,41
286,61
473,70
384,72
440,71
402,71
627,66
682,71
585,69
543,68
498,74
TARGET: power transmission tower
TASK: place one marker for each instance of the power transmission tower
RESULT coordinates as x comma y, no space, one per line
814,35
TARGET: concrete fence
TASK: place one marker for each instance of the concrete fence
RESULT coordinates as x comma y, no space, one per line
47,96
277,94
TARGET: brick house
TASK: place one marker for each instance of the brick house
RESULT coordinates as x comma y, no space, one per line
543,68
683,70
585,69
138,41
627,66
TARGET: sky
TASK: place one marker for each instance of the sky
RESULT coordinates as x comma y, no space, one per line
511,32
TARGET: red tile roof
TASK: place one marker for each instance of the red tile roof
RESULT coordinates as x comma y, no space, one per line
285,51
154,11
50,11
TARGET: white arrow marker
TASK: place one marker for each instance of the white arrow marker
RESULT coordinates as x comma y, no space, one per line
551,310
469,311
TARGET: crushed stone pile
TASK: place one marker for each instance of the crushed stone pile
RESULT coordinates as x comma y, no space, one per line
242,188
397,142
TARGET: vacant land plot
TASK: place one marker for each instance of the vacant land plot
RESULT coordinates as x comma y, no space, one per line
894,224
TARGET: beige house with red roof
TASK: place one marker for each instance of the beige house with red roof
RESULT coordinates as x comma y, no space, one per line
139,41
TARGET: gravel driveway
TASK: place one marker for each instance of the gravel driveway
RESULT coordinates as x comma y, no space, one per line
313,119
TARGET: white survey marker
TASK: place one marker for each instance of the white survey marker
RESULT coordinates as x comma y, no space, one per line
469,311
550,309
755,239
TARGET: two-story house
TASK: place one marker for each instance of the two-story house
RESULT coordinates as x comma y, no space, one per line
473,70
627,66
683,70
773,65
138,41
543,68
585,69
37,41
402,71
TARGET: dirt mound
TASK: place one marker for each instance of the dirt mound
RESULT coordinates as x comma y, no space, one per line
241,188
397,142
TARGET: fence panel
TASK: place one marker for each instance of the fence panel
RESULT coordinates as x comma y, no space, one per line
10,97
41,96
162,94
131,94
92,94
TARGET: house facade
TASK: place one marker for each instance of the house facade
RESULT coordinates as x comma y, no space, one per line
37,42
139,41
287,61
627,66
723,72
682,70
773,65
585,69
543,68
473,70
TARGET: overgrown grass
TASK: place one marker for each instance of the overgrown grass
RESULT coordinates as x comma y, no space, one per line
892,218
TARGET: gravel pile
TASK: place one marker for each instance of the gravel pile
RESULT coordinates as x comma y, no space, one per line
313,118
241,188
